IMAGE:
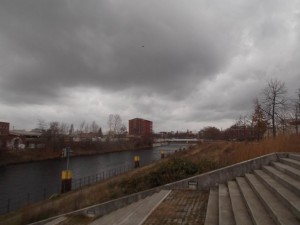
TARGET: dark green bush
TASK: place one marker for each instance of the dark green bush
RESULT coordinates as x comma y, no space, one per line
173,170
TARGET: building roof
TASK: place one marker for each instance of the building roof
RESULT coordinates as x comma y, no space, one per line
140,119
25,133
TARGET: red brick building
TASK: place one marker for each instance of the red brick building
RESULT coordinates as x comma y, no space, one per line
4,133
4,128
140,127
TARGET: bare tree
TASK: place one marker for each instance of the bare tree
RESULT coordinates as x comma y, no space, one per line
100,132
42,125
94,127
296,111
210,133
110,122
64,128
71,131
81,126
274,102
123,130
55,136
54,128
117,124
86,128
259,123
114,124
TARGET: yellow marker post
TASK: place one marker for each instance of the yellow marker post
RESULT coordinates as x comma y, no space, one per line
66,175
66,181
162,154
136,161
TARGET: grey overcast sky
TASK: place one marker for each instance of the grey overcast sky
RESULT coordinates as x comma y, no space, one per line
182,64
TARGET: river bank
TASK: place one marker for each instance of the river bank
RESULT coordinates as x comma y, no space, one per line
34,155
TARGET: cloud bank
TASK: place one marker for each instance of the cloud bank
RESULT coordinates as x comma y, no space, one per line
183,65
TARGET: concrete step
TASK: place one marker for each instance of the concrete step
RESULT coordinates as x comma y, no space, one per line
294,156
135,213
291,171
286,180
212,212
291,162
278,211
225,210
240,212
288,197
256,210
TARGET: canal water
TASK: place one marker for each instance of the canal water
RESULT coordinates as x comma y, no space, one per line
22,184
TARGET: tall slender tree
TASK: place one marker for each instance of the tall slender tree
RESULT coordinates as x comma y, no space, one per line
296,112
114,124
71,131
259,122
94,127
274,101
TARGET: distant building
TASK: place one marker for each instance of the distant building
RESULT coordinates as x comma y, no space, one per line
4,128
140,127
4,132
21,139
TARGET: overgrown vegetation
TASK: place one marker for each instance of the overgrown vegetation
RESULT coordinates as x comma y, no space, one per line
248,150
169,171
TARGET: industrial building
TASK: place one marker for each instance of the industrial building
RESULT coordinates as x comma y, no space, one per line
140,127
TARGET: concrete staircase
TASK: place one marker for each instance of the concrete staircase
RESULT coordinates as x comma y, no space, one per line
267,196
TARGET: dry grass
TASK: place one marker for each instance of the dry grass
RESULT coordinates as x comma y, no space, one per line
226,153
222,153
244,151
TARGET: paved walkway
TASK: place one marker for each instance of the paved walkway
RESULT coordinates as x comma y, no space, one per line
134,214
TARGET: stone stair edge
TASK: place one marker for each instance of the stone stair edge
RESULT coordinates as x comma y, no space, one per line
295,156
239,208
213,202
276,209
255,207
252,173
283,178
289,170
278,189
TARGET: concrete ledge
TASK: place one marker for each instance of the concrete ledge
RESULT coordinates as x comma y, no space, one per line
107,207
211,179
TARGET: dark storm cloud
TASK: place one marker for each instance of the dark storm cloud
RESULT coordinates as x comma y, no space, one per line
112,45
196,61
